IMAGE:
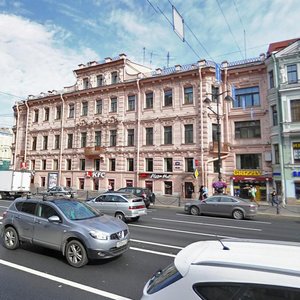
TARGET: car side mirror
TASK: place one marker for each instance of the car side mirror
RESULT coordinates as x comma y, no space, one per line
54,219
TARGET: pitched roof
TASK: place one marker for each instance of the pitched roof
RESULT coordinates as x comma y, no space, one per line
277,46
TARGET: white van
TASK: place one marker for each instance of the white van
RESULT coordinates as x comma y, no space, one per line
233,269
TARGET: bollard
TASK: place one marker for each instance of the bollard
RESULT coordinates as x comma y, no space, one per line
277,209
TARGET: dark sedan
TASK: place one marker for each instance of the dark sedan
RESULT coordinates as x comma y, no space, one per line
223,205
61,191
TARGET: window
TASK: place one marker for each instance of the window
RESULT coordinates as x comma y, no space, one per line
55,164
69,164
99,106
149,164
168,98
68,182
130,137
168,187
247,97
45,142
188,95
131,102
36,115
112,164
149,100
45,211
83,139
56,141
85,83
58,112
84,108
70,141
216,166
81,183
129,183
71,110
97,138
167,135
130,164
276,153
292,73
214,93
82,164
247,129
34,140
295,110
44,164
99,80
271,79
32,164
97,164
188,134
215,132
189,164
28,207
296,152
46,113
149,136
113,138
43,181
274,115
248,161
168,164
149,185
113,104
114,77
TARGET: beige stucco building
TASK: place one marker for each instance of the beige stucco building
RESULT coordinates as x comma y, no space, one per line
124,124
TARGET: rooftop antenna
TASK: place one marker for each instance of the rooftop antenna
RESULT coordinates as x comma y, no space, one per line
168,59
144,52
224,247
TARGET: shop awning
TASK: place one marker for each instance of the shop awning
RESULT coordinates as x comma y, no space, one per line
251,178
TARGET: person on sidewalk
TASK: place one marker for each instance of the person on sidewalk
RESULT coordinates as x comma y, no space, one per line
274,198
252,192
203,192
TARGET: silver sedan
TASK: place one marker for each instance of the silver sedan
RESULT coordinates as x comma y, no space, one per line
223,205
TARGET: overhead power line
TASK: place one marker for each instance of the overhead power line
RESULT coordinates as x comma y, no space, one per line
238,13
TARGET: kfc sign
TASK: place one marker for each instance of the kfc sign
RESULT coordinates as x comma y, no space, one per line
95,174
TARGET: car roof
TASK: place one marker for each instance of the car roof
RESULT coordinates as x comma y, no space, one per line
241,253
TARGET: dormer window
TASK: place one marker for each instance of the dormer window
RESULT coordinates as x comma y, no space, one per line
114,77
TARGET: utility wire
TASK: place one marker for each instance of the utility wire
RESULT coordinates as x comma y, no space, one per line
8,94
229,27
238,13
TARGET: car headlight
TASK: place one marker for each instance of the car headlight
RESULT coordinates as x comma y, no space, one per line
99,235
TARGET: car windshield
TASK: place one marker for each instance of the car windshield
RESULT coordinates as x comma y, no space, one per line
75,210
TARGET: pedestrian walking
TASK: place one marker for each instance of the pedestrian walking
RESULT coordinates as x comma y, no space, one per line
275,201
252,192
203,193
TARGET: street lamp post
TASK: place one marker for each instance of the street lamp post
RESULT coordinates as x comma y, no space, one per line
216,97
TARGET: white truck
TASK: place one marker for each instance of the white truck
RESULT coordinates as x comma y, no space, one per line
14,183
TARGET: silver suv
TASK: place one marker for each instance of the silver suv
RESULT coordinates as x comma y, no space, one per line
76,229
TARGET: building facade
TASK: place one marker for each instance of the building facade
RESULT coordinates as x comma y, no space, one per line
122,124
6,138
283,67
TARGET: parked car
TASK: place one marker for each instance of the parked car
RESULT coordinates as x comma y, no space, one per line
230,269
124,206
73,227
61,191
145,193
222,205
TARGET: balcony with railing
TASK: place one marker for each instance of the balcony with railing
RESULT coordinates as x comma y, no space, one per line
213,147
94,152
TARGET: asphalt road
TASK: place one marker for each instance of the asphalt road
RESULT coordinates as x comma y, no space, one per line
32,272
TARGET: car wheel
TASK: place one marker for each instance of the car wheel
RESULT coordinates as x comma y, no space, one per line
11,238
76,254
238,214
135,219
120,216
194,210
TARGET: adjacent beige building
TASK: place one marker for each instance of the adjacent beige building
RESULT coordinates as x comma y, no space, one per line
124,124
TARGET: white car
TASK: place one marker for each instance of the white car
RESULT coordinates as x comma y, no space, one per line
230,269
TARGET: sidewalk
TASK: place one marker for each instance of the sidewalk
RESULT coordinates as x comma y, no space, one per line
264,208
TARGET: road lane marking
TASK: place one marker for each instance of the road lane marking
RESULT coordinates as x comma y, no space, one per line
224,219
156,244
207,224
153,252
64,281
183,231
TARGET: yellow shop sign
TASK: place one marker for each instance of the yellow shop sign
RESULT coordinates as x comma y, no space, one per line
247,172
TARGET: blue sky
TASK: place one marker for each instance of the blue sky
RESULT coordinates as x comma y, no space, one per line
43,41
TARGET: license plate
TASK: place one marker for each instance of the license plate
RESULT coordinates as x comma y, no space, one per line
121,243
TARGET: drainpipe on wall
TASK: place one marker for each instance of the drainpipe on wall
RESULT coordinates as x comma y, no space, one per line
16,137
280,135
61,139
26,131
138,133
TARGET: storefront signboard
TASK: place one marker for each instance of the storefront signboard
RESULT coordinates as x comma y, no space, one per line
238,172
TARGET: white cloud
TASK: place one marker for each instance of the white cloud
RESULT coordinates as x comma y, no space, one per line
34,59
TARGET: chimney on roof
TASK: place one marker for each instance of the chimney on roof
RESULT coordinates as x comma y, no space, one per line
107,59
158,71
262,56
177,67
224,64
122,56
81,66
92,63
202,63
